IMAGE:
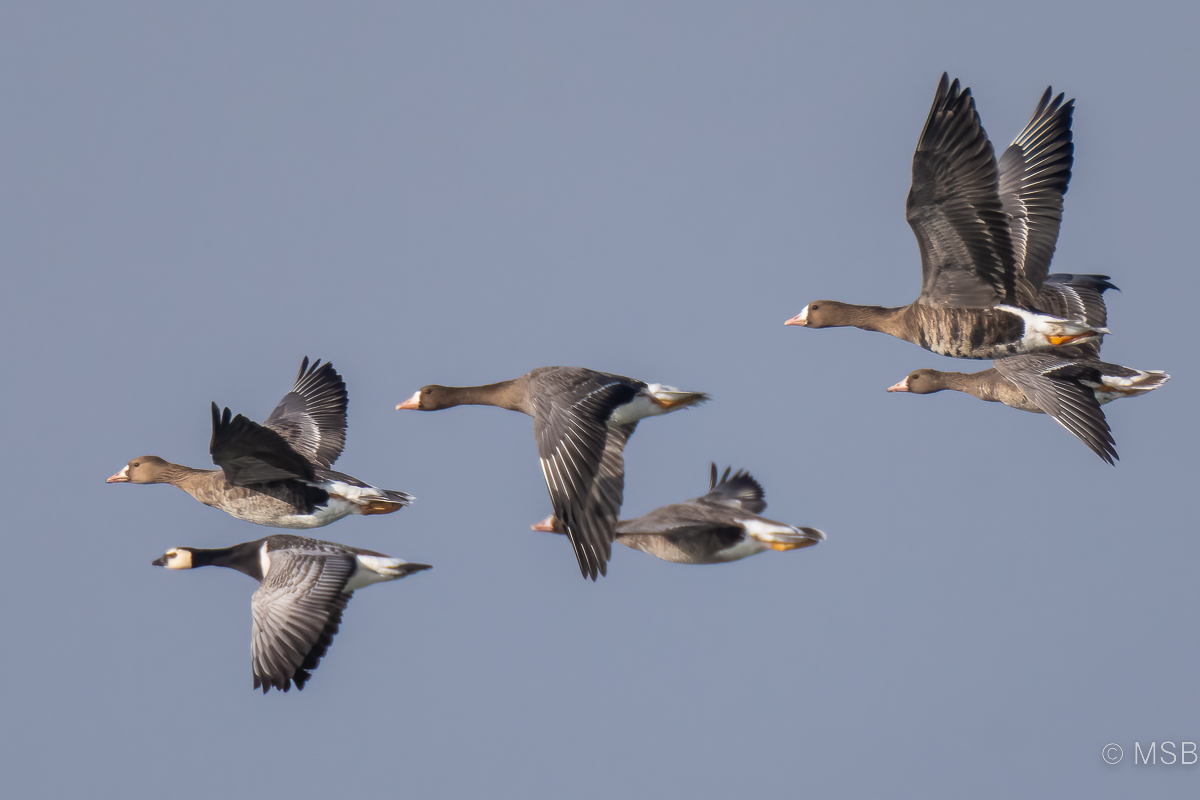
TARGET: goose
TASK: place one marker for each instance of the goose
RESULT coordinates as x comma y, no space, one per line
723,525
986,234
581,420
1068,384
304,586
278,474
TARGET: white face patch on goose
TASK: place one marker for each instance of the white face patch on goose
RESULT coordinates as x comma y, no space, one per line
178,559
412,402
800,319
264,560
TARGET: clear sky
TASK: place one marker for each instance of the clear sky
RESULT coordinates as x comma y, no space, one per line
195,196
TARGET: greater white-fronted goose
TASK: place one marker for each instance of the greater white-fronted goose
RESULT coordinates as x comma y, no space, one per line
723,525
1069,384
581,420
278,474
304,586
986,235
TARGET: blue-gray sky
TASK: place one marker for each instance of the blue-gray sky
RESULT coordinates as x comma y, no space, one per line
196,196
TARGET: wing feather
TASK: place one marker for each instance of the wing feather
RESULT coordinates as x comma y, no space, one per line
741,491
1053,383
250,453
311,418
1034,173
581,456
296,613
955,211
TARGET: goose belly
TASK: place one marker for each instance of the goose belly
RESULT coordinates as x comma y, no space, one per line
690,549
995,332
273,513
982,333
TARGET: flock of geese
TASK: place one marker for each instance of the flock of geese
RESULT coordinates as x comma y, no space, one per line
986,232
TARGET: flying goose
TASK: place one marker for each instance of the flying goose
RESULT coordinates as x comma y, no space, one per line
581,420
1066,383
986,233
304,586
278,474
723,525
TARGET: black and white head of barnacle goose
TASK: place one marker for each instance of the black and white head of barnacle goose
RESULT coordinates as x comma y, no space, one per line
279,473
304,586
986,233
721,526
581,420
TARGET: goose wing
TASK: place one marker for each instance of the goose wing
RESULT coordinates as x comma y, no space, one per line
250,453
582,459
1034,173
740,491
296,613
719,512
955,211
311,418
1053,383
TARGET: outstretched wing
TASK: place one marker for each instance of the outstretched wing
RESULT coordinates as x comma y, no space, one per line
311,418
582,460
1034,173
250,453
1053,383
296,613
954,208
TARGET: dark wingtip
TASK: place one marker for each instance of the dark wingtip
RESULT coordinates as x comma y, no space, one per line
586,567
591,567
